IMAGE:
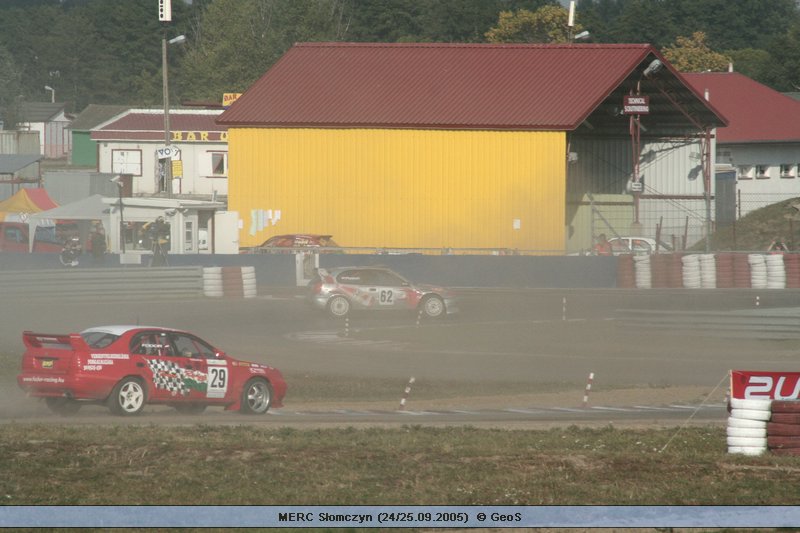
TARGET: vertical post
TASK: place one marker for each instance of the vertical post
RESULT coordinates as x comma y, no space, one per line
165,82
588,388
121,220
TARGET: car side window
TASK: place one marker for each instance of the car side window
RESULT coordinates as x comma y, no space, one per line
351,277
188,346
387,279
150,343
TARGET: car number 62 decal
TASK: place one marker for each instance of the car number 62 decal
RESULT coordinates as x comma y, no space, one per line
217,381
386,297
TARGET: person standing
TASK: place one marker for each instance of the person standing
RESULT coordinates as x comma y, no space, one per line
97,240
603,247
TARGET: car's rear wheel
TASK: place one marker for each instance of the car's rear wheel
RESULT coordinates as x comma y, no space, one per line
190,408
433,307
128,397
62,406
256,397
338,306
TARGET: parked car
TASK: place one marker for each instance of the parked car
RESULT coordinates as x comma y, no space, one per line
292,242
341,290
636,246
128,367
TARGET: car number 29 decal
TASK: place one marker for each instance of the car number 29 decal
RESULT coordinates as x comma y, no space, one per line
217,381
386,297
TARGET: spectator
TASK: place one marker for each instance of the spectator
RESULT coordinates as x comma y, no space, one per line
97,240
603,247
777,245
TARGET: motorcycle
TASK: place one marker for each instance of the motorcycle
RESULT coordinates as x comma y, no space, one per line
71,252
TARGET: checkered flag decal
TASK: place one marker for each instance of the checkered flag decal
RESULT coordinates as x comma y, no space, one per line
168,375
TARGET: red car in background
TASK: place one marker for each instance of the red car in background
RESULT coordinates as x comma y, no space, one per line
286,243
128,367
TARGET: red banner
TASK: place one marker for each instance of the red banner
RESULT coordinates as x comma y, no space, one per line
759,385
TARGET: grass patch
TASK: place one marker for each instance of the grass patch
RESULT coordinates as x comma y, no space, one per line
411,465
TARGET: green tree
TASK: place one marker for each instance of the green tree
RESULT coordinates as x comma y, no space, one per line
548,24
9,89
692,54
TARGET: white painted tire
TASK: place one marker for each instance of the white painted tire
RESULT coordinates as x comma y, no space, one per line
747,450
747,441
746,432
756,405
750,414
746,423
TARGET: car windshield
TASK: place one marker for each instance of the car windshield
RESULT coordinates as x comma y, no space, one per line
99,339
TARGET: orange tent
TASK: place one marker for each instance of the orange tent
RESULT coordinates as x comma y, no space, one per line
25,202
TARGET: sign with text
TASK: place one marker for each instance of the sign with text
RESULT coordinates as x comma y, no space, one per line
168,152
229,98
636,105
763,385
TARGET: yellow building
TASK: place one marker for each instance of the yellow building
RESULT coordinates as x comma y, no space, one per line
420,145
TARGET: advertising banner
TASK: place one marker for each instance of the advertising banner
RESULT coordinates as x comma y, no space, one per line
761,385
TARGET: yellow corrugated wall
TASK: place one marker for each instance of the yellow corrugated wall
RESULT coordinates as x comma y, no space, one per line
400,188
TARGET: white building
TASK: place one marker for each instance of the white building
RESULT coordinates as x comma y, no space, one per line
132,144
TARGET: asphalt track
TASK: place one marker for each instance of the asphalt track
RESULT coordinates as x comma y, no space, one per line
544,342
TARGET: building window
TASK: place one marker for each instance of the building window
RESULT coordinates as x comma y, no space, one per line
126,162
214,164
762,172
746,172
788,171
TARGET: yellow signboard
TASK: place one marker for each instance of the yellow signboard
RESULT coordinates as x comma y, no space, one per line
229,98
177,169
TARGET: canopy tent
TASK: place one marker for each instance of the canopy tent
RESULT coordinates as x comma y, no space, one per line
95,207
24,203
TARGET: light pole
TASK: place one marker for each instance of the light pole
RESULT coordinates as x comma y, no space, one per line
118,181
165,81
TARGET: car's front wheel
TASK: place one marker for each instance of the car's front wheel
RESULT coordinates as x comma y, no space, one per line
338,306
62,406
433,307
256,397
128,397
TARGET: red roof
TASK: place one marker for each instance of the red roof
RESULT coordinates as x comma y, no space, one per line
148,125
755,112
459,86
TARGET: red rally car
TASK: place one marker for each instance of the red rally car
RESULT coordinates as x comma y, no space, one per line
127,367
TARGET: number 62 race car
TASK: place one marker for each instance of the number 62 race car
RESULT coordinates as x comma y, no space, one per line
127,367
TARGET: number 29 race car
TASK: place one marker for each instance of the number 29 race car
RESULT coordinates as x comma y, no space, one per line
127,367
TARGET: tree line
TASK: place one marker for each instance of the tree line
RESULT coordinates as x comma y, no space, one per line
109,51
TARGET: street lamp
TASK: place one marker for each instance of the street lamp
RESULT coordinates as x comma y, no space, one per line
118,181
52,93
165,81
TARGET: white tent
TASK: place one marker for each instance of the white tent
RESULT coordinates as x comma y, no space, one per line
94,207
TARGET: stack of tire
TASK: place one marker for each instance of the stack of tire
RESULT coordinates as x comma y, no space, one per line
725,274
741,271
644,277
747,426
783,429
708,271
675,271
626,278
659,267
776,273
691,271
229,282
758,271
791,262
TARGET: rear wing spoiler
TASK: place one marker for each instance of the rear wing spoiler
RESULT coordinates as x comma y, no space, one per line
69,341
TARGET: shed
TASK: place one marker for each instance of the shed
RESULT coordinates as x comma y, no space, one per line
16,170
51,121
454,146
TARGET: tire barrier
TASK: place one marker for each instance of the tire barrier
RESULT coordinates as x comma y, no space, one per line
103,284
229,282
709,271
626,278
642,269
757,426
746,433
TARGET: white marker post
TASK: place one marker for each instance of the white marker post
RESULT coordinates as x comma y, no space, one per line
406,392
588,388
